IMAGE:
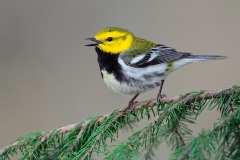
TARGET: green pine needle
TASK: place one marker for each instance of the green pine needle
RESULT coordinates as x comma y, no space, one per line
98,135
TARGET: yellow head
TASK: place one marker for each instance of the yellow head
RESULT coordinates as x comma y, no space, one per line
113,40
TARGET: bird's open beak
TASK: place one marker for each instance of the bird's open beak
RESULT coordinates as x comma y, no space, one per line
94,40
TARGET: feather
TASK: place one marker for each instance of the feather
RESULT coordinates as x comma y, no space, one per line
156,55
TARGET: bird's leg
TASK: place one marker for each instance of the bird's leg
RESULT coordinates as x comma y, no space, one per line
160,96
129,107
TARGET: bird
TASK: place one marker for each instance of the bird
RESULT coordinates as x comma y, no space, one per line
130,65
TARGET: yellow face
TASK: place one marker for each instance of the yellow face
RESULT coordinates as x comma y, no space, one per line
114,40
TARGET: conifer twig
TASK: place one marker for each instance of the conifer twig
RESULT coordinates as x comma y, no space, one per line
202,147
219,125
216,127
148,103
205,95
180,137
161,117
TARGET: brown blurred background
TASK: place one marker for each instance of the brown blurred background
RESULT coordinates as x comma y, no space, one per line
48,78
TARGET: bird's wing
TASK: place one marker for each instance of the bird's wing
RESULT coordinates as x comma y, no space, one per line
157,55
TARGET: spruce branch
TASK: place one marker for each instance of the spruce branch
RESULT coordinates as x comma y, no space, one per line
180,136
154,126
132,145
202,147
80,140
207,139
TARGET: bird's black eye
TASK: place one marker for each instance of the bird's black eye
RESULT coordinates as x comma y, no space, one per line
109,39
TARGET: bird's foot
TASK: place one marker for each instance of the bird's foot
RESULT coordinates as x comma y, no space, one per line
159,98
131,108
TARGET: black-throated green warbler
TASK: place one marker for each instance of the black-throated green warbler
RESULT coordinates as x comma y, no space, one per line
132,65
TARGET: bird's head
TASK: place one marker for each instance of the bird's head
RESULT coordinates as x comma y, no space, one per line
112,40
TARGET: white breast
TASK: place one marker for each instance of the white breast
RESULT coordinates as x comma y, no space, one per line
121,88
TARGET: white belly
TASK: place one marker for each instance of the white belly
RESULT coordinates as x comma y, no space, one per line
132,88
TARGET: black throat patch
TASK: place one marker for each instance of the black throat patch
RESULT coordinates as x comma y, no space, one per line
109,63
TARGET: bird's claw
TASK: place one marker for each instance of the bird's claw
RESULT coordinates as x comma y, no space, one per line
130,108
159,98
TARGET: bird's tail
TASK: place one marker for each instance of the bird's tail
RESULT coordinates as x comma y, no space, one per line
196,58
206,57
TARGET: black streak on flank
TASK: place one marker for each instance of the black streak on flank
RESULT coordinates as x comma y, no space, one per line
152,75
